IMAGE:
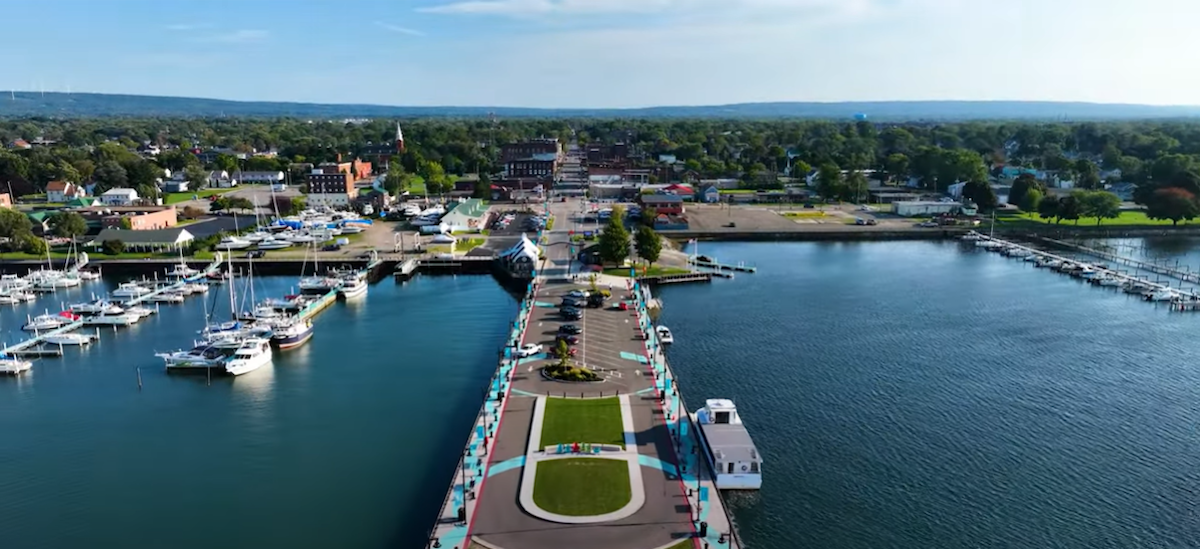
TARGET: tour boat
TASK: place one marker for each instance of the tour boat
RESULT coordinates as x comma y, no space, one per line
353,286
233,243
69,339
731,454
49,322
293,334
251,355
130,290
14,366
664,335
272,243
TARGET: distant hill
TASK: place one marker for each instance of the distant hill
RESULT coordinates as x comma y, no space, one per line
26,104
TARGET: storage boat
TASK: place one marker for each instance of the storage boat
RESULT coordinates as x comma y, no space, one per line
731,454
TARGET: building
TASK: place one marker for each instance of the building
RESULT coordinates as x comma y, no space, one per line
333,189
356,169
375,198
536,158
62,191
711,194
467,215
119,197
175,186
663,204
919,208
616,152
5,200
140,218
683,191
258,177
146,241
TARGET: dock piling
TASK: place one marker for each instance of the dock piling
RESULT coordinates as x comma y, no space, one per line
139,377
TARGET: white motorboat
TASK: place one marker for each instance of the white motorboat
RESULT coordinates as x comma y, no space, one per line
201,357
1164,294
300,238
251,355
6,299
1108,281
88,276
196,288
13,282
315,284
664,335
1087,273
233,243
352,229
70,339
123,319
352,287
142,312
52,280
261,312
257,236
970,236
272,243
292,334
96,307
14,366
22,296
182,271
130,290
49,322
731,454
166,297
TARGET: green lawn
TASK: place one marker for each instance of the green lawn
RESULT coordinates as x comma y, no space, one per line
175,198
1127,218
805,214
653,271
595,421
581,487
736,191
467,244
416,185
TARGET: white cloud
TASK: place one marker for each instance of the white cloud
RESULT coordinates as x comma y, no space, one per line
240,36
187,26
398,29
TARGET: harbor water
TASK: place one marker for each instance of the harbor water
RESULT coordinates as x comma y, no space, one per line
347,441
923,394
904,395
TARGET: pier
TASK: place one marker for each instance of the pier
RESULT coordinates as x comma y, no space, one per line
27,347
1156,268
517,484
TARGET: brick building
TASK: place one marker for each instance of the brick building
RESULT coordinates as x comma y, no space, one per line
333,188
538,158
141,218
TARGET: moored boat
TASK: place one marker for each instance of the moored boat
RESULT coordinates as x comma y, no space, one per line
70,339
731,454
252,354
12,366
292,334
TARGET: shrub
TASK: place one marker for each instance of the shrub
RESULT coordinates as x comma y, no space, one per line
113,247
33,245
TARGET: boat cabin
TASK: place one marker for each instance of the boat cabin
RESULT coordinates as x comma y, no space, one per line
732,452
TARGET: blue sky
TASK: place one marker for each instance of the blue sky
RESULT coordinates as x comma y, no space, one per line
608,53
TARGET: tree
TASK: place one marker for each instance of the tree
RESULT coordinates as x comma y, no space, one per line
981,194
13,223
197,177
648,244
288,205
614,239
857,187
1023,184
435,177
829,181
800,168
67,224
226,162
1031,201
1069,208
1087,175
126,224
1048,209
1172,203
1098,204
896,166
191,212
483,188
65,171
113,247
33,245
109,175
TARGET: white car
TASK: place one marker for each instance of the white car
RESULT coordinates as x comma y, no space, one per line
577,293
529,349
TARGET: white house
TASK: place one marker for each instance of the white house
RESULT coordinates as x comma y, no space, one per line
258,177
63,191
220,179
119,197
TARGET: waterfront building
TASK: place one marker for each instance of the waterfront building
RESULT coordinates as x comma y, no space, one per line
146,241
520,260
140,218
912,209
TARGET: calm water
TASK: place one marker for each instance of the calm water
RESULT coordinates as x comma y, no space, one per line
912,395
348,441
905,395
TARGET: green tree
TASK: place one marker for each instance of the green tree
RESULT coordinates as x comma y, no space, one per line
226,162
829,181
113,247
125,224
1070,209
648,244
1087,175
1048,209
896,166
1023,184
800,168
857,187
981,194
1172,203
197,177
614,239
65,171
13,223
1031,201
483,187
67,224
435,177
1098,204
33,245
396,180
109,175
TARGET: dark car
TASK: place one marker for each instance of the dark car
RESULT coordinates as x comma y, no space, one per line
572,302
255,254
570,339
570,329
330,248
596,300
571,313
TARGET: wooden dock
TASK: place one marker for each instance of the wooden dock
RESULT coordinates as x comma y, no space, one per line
678,278
1156,268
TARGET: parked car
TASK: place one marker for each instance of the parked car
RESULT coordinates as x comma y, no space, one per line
529,349
569,329
577,293
570,339
596,301
255,254
331,247
571,313
572,302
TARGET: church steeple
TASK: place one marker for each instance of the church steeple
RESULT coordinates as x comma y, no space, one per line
399,139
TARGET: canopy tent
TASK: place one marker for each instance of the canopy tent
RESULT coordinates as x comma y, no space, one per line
525,249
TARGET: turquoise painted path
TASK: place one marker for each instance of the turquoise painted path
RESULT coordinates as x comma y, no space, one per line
634,357
506,465
543,304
